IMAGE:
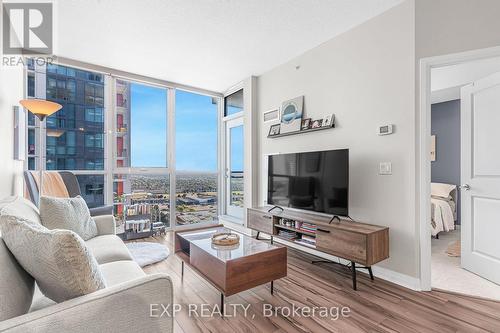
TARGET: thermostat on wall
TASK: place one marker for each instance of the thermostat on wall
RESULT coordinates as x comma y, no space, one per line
385,129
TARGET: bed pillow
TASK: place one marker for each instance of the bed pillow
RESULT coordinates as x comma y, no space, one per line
68,213
442,190
58,260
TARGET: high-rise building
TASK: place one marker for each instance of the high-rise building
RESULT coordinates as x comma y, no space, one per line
75,135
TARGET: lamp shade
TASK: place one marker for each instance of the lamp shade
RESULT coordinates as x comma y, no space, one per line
40,108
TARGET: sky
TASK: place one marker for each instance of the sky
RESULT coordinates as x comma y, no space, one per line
196,130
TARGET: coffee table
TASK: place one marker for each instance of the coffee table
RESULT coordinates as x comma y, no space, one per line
230,269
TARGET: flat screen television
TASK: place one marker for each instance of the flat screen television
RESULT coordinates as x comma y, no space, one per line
316,181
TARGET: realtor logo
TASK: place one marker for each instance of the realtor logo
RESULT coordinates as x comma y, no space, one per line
27,28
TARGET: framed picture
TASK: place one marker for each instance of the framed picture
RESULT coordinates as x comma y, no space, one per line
274,130
272,115
306,123
317,123
291,115
328,120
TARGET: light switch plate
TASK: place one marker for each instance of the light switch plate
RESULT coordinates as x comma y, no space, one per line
385,168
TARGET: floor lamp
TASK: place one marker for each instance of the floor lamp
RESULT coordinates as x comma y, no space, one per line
41,109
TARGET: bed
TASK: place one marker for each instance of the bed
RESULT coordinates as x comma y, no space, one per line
443,208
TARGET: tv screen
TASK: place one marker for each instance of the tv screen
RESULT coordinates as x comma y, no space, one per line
316,181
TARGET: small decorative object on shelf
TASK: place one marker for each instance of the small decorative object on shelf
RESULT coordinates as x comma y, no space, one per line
271,115
307,126
317,123
225,238
274,130
306,123
328,120
291,114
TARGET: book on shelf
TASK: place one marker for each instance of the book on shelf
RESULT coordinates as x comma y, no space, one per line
306,242
304,226
287,234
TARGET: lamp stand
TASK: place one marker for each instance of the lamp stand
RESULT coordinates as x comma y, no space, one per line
40,108
40,160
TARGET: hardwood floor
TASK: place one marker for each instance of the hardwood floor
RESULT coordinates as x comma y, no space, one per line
377,306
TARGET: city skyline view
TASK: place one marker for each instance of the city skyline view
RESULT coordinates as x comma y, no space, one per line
141,142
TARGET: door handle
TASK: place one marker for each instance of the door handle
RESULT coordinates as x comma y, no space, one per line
465,187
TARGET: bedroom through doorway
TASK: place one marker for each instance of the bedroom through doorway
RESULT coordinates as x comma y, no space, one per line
449,187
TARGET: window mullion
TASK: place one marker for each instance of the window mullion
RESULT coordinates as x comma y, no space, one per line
171,154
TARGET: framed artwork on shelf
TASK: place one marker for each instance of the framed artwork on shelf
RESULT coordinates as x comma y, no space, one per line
306,123
328,120
274,130
291,115
317,123
271,115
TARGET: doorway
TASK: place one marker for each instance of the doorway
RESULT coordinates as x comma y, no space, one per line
456,206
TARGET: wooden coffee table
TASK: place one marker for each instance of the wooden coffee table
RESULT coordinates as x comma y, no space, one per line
230,269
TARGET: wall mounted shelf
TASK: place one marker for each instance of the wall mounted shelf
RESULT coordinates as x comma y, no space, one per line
300,132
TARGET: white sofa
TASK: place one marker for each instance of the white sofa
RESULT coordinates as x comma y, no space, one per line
123,306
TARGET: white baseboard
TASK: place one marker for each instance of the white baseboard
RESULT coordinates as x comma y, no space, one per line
403,280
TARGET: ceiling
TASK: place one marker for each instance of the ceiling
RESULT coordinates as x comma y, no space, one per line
447,81
209,44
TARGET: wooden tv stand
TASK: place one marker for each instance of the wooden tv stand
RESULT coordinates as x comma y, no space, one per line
360,243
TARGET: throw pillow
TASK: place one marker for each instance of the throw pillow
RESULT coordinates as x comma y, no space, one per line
59,260
442,190
68,213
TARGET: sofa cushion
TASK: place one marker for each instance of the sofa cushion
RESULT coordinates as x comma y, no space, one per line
108,248
19,207
40,301
61,264
121,271
16,286
68,213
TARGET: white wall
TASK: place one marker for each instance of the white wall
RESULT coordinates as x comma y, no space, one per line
447,81
451,26
462,74
11,91
445,27
366,78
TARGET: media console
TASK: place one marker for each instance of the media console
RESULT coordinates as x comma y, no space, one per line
360,243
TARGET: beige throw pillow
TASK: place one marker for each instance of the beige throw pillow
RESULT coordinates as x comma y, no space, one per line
68,213
59,260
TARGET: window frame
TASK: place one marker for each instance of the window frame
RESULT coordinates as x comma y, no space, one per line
109,139
224,209
130,169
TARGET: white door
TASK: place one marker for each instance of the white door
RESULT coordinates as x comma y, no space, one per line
234,168
480,164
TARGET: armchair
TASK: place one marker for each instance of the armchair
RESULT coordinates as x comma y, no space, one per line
70,185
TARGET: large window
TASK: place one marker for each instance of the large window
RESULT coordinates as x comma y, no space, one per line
196,167
141,125
75,135
163,156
